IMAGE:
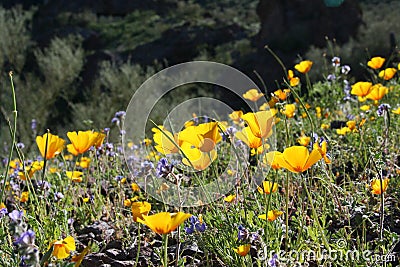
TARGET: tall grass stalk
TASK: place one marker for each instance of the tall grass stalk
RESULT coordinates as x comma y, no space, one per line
13,131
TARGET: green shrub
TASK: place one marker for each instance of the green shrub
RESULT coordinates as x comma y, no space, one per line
15,38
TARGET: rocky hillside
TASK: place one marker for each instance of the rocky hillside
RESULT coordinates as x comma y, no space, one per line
171,31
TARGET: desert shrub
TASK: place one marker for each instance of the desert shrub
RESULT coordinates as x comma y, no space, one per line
111,91
43,95
16,37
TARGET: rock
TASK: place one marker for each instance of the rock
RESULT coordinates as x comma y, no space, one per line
290,27
116,254
296,24
98,231
103,260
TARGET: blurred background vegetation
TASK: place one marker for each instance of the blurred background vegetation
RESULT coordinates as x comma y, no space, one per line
76,63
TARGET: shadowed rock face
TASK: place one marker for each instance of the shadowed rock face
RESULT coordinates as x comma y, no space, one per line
289,27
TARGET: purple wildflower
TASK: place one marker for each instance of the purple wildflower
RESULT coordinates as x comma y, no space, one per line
33,125
120,114
331,77
273,262
243,233
26,238
195,224
382,108
16,215
163,168
345,69
336,61
58,196
20,145
3,212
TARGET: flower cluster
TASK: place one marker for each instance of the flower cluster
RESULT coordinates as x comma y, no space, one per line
24,239
196,224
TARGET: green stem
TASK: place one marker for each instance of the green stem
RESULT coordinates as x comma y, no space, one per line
15,112
309,86
138,246
307,113
277,59
268,201
45,155
287,211
315,216
165,239
382,210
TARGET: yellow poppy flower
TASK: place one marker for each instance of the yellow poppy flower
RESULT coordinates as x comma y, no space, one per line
304,140
396,111
298,158
365,107
139,209
304,66
323,149
69,157
272,215
324,126
35,166
267,187
293,81
55,145
376,186
282,94
271,159
259,150
62,248
376,62
230,198
135,187
260,122
164,222
82,141
203,136
352,125
253,95
289,110
266,106
242,250
378,91
24,197
387,74
166,143
99,139
343,131
84,162
361,89
75,176
235,116
247,136
198,159
127,202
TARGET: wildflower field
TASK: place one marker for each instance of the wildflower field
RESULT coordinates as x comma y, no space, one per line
305,176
